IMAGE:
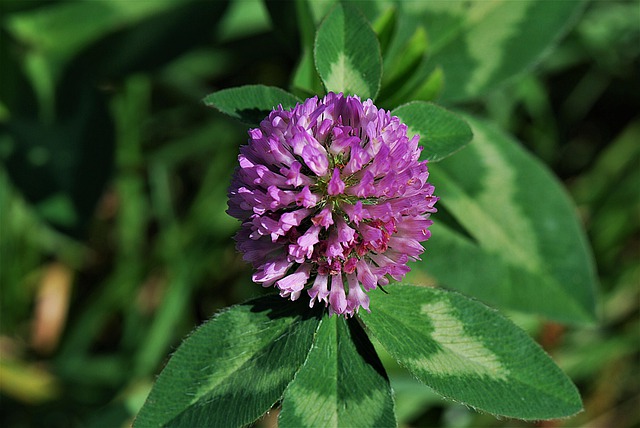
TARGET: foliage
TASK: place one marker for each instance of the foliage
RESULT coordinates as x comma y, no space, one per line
115,243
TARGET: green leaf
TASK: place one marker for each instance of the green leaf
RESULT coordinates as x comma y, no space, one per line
470,353
49,181
384,27
442,133
481,44
342,383
232,369
250,103
347,53
243,19
431,87
411,55
405,63
519,243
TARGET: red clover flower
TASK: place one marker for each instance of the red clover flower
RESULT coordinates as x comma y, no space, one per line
332,199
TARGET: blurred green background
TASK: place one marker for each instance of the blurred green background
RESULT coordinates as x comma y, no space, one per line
114,242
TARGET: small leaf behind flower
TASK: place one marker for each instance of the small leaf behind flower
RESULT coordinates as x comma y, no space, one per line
233,368
470,353
342,383
250,103
442,133
347,53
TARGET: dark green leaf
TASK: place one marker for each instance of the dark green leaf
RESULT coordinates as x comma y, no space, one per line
232,369
342,383
250,103
62,168
470,353
42,30
347,53
442,133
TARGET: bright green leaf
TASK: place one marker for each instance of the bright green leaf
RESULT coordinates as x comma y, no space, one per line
243,19
469,353
524,248
232,369
442,133
424,84
250,103
414,51
347,53
431,88
405,63
342,383
384,26
480,44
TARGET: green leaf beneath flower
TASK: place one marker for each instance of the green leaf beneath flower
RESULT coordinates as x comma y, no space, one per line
524,248
347,53
250,103
342,383
469,353
442,133
232,369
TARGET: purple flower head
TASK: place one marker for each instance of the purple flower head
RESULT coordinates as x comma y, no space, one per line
333,201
